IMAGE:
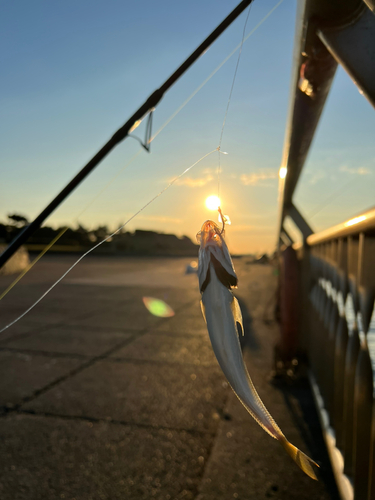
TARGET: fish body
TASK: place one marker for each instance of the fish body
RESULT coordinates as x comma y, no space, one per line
222,314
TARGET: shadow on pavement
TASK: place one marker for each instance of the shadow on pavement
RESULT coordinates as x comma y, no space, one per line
249,339
299,401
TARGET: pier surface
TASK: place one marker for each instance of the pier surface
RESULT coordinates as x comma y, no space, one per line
101,400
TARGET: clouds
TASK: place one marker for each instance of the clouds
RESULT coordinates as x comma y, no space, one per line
319,175
258,178
355,171
253,179
195,182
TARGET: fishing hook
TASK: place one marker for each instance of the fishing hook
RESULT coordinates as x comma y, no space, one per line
222,220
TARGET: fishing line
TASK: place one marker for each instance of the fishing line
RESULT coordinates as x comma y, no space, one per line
106,239
63,231
173,115
332,197
149,138
228,103
146,145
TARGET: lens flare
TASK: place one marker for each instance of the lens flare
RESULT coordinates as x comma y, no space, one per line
212,203
158,307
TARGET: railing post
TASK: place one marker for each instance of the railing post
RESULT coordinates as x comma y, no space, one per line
331,322
363,390
306,289
341,344
289,304
351,360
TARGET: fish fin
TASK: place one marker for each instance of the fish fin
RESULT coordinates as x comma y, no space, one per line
237,314
302,460
223,265
203,311
227,279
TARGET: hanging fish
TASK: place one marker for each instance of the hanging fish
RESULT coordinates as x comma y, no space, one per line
222,312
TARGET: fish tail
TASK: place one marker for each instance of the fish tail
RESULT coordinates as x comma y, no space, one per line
302,460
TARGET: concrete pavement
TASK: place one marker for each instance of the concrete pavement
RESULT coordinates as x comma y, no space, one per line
101,400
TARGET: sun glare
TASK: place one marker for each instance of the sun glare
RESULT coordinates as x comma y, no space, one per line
282,172
212,203
351,222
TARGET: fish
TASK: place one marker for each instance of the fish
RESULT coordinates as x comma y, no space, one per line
222,313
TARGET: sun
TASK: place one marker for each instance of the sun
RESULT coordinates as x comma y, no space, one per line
212,203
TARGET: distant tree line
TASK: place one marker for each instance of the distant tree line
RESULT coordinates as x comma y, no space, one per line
44,235
138,243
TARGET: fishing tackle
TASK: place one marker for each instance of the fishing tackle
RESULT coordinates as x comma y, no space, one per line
222,312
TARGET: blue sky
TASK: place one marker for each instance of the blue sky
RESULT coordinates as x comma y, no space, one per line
73,72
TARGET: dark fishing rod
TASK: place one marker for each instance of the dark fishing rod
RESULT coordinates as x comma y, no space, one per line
121,134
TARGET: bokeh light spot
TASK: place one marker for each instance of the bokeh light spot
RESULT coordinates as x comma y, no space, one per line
158,307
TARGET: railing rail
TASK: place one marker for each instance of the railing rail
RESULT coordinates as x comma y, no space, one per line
340,342
335,268
361,223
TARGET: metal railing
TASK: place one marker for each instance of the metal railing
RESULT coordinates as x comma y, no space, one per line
331,274
337,290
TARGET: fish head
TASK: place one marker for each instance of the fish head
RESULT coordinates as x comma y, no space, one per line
213,250
210,234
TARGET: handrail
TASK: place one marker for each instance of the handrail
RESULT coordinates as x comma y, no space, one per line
359,224
326,33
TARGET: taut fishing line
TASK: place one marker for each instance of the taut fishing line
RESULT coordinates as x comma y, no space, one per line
332,197
173,115
63,231
149,138
106,239
228,103
146,145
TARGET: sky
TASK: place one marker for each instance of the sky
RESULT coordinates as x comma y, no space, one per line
73,72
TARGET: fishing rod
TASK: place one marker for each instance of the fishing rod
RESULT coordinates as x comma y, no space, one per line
121,134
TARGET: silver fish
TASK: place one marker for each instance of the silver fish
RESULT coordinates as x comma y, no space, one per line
222,312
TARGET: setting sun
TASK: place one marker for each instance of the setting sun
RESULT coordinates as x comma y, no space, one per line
212,203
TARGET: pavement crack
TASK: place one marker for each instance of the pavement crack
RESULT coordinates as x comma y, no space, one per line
48,354
98,420
79,369
162,362
70,374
